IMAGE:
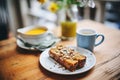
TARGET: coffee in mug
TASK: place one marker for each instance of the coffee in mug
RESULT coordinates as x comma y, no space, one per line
86,38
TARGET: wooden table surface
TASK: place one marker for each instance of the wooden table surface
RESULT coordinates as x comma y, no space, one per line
20,64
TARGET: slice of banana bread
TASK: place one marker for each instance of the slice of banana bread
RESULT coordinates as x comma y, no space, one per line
67,57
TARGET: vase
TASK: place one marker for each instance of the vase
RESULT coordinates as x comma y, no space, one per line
69,24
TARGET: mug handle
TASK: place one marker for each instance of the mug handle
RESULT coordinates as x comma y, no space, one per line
102,36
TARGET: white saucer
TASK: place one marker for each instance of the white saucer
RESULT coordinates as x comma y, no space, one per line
21,44
51,65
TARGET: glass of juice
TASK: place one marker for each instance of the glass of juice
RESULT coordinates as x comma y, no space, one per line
68,29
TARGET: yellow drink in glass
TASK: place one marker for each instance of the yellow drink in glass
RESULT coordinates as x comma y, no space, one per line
68,29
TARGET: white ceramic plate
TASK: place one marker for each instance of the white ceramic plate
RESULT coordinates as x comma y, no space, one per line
51,65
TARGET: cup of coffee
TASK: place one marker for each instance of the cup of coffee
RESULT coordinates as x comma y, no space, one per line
86,38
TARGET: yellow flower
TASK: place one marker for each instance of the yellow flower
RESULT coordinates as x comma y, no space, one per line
42,1
53,7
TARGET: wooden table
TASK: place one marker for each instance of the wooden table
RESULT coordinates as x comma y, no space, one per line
20,64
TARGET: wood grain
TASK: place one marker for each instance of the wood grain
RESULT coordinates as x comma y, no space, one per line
20,64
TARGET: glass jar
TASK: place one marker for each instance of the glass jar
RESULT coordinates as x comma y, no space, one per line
68,26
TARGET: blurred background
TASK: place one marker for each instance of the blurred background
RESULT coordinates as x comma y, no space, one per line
16,14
